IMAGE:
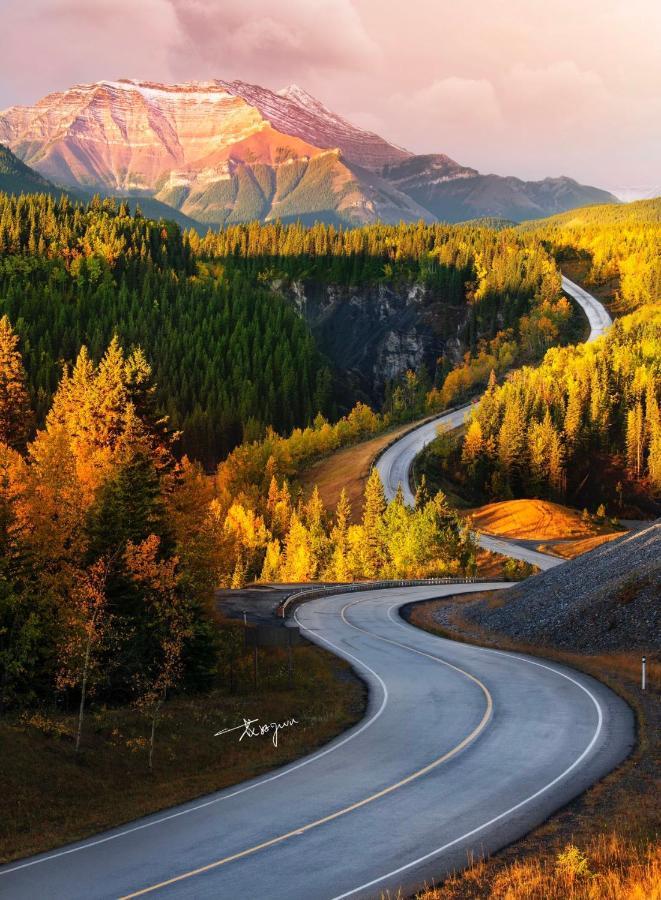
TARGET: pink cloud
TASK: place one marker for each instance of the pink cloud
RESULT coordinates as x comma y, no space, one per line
448,112
48,45
258,38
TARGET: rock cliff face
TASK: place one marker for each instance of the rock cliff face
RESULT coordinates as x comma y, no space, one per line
376,332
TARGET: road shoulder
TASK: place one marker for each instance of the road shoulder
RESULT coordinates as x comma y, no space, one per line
620,809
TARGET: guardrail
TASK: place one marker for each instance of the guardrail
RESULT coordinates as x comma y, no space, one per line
285,606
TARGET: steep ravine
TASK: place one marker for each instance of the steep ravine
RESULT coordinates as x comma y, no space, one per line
375,332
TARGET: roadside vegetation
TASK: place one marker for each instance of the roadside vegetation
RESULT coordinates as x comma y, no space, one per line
615,249
598,867
53,795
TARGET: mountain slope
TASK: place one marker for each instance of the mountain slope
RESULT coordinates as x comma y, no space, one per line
295,112
229,151
17,178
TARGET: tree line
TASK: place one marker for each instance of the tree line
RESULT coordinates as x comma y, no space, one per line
231,355
621,243
585,410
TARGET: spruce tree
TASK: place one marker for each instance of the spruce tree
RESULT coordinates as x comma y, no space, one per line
15,412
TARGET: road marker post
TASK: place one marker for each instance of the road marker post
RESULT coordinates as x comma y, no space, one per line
643,674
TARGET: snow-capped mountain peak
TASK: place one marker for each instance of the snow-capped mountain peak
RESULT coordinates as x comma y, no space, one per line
298,95
223,151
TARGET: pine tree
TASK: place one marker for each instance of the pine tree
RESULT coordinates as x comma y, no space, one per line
653,431
15,413
473,445
299,561
339,568
272,562
574,413
421,492
511,444
313,517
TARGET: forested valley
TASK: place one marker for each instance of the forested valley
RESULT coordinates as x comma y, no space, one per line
230,355
135,357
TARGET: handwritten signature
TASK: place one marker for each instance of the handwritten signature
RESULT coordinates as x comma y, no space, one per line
249,729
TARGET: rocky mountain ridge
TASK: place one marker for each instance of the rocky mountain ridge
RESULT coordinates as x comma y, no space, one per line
228,151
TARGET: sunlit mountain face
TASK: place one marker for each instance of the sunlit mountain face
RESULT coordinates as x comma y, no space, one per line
223,152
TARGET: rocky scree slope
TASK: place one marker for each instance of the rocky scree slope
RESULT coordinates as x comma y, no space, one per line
607,599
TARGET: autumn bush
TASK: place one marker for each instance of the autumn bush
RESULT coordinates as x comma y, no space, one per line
606,867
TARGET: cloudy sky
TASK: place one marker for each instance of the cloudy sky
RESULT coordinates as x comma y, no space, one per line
525,87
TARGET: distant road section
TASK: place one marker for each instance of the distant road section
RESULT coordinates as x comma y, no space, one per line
394,466
595,311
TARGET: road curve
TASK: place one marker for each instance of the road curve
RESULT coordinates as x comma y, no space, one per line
394,465
596,312
462,750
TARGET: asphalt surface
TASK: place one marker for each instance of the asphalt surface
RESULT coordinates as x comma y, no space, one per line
595,311
395,465
462,750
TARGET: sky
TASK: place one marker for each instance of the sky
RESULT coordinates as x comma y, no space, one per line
531,88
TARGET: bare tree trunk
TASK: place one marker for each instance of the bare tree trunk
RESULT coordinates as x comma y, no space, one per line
154,718
83,691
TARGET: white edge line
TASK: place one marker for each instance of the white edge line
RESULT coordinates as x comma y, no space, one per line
512,809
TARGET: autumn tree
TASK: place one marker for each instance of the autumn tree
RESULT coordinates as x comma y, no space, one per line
338,567
374,507
86,630
169,627
635,439
299,563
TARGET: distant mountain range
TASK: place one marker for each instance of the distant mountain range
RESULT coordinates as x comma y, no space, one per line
221,152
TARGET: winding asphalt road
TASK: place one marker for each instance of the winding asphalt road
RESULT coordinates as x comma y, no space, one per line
395,464
462,750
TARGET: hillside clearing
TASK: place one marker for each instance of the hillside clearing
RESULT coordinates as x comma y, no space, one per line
349,469
536,520
572,549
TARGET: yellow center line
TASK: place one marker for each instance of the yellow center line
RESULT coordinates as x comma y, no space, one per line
360,803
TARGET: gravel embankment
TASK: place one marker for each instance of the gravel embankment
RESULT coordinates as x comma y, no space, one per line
607,599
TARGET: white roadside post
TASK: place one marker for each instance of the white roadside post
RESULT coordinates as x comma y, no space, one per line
643,675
